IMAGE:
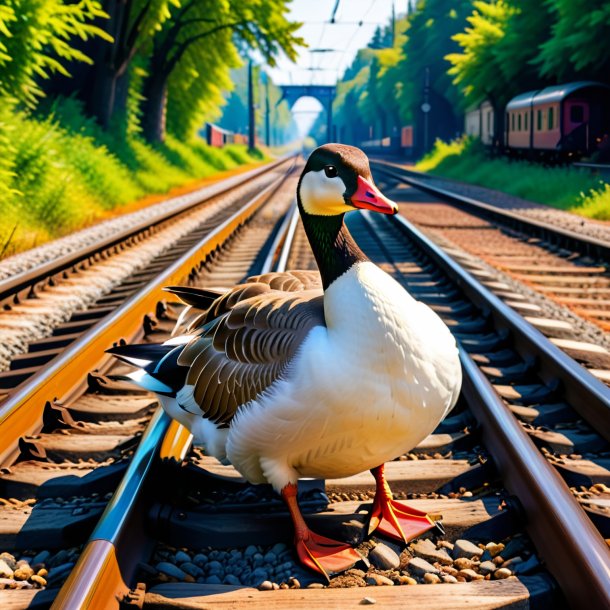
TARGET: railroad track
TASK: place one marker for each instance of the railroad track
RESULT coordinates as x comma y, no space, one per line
557,279
67,433
180,518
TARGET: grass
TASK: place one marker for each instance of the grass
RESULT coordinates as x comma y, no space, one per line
60,172
567,188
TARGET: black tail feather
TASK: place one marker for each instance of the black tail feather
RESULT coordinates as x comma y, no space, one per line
201,298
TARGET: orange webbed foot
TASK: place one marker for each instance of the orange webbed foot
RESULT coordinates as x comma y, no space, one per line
396,519
399,521
325,555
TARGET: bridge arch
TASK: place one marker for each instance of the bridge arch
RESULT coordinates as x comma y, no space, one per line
325,94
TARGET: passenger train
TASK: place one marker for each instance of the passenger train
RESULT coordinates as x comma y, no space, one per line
560,122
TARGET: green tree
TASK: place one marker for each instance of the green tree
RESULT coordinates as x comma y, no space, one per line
200,33
131,25
37,39
498,51
429,39
578,42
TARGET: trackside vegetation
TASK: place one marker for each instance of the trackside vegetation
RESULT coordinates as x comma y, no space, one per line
101,102
62,172
568,188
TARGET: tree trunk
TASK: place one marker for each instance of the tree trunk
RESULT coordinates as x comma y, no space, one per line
154,106
100,102
122,93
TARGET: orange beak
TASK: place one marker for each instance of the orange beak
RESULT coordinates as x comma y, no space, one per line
369,197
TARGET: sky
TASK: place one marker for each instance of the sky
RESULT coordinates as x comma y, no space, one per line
343,38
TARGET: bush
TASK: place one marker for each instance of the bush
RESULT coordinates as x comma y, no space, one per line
59,171
568,188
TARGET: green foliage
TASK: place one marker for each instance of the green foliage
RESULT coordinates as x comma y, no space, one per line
64,171
566,188
498,50
37,39
384,88
578,40
196,47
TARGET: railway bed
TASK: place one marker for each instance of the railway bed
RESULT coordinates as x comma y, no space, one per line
56,483
561,291
481,469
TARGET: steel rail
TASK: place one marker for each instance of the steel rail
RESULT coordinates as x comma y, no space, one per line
582,243
22,412
566,538
100,578
572,549
587,394
25,281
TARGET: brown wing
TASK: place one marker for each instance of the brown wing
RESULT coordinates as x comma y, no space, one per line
245,340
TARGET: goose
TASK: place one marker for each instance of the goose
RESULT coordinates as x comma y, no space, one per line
303,374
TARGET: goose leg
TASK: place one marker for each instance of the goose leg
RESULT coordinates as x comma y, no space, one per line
319,553
395,519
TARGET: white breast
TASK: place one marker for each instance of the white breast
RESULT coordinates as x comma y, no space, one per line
368,387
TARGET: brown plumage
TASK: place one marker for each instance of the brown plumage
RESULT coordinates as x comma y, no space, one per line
245,339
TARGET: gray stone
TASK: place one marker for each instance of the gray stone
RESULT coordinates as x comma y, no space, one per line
487,567
449,579
465,548
181,557
231,579
419,567
40,558
58,573
377,580
513,548
9,560
59,558
266,585
384,558
270,558
259,574
527,566
200,559
215,566
279,548
169,569
502,573
426,550
368,601
192,569
5,570
213,580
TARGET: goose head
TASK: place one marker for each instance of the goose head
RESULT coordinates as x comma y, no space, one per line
337,179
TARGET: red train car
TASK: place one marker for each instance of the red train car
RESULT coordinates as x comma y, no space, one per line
570,119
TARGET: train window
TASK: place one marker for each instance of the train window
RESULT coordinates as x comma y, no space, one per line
512,121
577,114
519,122
550,119
525,121
539,120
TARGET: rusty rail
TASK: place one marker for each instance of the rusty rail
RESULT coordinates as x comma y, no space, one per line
22,412
102,574
22,284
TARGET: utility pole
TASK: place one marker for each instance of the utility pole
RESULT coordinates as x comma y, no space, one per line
425,107
251,119
267,111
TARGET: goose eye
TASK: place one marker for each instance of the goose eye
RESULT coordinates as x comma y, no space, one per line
331,171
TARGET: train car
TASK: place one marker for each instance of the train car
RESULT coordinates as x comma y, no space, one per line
565,120
479,122
219,137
